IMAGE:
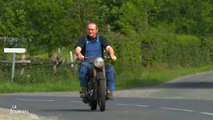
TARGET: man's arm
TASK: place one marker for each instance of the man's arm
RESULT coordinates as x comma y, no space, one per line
110,50
78,53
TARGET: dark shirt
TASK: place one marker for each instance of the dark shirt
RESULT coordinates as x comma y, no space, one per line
82,42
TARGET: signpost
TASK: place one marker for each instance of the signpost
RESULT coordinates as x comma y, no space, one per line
14,51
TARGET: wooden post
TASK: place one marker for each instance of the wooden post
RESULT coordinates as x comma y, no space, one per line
13,67
22,69
57,60
71,59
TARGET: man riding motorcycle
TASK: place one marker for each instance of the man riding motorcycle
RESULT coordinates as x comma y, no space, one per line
93,45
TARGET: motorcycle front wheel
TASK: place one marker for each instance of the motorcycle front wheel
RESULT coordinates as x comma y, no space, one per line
102,95
93,105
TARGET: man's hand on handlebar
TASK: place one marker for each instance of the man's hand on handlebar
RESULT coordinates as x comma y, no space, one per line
113,57
81,57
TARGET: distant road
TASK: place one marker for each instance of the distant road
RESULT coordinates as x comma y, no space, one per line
186,98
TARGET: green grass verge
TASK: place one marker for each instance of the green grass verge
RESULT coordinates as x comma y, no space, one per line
143,78
152,77
8,87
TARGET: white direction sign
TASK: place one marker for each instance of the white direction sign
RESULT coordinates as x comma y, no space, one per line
14,50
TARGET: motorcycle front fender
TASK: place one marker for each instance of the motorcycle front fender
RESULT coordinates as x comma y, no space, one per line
100,76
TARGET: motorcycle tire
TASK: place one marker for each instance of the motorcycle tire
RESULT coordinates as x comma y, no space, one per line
102,95
93,105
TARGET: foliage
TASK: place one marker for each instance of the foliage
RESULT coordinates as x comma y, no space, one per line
145,33
169,50
51,24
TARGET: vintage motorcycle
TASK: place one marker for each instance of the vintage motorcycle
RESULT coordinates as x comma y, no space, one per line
97,88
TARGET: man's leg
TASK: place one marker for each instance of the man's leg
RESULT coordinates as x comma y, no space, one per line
110,76
83,72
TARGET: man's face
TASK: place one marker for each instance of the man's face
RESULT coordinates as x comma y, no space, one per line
92,30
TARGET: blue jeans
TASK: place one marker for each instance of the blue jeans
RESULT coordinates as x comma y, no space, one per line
84,69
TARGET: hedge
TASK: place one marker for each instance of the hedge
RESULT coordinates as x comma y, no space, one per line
162,50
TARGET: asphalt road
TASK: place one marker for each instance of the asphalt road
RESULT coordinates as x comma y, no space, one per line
186,98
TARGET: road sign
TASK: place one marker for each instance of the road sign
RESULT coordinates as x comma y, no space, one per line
14,50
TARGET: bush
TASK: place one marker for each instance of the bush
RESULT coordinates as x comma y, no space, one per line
168,50
207,50
188,50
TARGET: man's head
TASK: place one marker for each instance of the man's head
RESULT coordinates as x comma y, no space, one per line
92,29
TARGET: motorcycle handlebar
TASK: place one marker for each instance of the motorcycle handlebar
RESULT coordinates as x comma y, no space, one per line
106,58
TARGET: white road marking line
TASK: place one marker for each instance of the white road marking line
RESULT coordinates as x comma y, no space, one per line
206,113
177,109
34,100
131,105
76,101
134,105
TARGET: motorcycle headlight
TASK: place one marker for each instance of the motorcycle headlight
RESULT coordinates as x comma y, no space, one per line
99,62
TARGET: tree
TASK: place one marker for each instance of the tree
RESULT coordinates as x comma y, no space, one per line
188,16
